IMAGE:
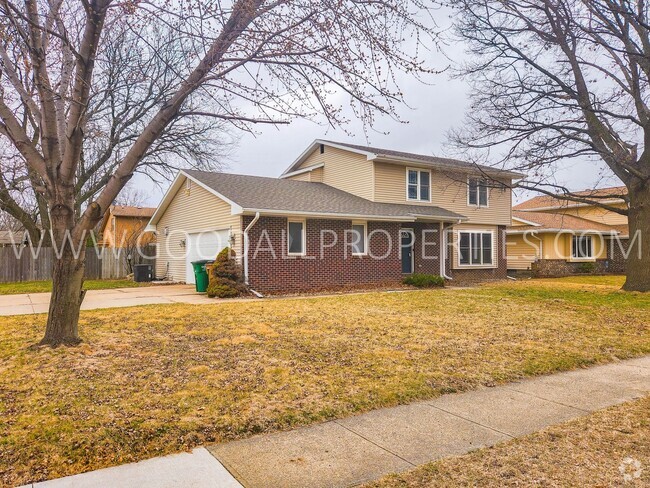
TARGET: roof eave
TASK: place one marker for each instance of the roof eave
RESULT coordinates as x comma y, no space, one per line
415,162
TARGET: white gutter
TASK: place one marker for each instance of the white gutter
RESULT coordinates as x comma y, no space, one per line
443,252
248,227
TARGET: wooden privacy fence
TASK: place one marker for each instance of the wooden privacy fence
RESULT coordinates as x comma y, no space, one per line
104,263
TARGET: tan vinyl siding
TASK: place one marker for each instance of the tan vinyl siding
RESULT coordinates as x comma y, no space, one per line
315,176
301,177
558,246
344,170
447,191
598,214
191,211
474,228
522,250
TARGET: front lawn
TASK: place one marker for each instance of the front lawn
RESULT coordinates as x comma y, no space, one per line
607,448
46,286
158,379
606,280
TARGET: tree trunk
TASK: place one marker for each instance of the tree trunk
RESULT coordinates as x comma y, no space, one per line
638,262
67,295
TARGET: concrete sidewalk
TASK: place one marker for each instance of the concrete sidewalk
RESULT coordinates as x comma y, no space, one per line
357,449
32,303
353,450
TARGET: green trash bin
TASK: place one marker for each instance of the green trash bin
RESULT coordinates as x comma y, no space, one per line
201,275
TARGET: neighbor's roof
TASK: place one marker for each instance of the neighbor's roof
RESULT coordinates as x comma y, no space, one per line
256,193
547,201
559,222
138,212
11,237
389,155
126,211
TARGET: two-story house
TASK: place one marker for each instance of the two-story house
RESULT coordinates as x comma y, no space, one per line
341,215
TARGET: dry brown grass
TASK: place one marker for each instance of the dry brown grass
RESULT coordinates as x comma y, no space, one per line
153,380
590,451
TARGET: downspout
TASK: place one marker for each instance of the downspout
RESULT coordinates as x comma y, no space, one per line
443,252
248,227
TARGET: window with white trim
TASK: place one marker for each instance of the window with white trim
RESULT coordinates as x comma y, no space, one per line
418,185
359,241
477,192
582,247
296,237
475,248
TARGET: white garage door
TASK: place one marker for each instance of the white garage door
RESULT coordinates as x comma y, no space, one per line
201,246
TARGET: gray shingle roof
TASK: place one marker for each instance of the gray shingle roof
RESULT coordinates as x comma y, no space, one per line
433,161
260,193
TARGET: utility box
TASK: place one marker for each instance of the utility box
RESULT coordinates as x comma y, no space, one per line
143,273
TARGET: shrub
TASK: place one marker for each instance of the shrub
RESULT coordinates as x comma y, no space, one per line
424,280
226,280
587,267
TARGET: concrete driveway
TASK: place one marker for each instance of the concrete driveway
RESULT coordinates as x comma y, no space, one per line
31,303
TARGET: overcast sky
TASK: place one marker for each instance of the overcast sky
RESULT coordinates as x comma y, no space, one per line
433,109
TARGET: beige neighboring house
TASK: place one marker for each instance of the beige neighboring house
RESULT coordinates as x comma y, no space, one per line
554,237
11,238
124,226
407,213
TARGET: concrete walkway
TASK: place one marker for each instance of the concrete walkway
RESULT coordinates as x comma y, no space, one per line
119,297
353,450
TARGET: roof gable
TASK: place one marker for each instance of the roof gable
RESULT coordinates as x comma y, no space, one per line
284,196
400,157
547,202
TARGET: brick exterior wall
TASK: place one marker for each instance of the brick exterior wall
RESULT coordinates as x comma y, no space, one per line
336,269
274,272
549,268
473,276
614,264
426,248
615,250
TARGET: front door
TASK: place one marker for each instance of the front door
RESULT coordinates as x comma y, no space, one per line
407,237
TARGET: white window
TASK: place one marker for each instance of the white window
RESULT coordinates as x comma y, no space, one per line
359,238
475,248
418,185
296,237
477,192
582,247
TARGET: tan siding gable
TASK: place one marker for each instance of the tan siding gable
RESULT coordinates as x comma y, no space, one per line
446,191
344,170
315,176
194,210
300,177
598,214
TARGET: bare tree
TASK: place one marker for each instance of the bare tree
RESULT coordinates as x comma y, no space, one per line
129,86
555,80
241,62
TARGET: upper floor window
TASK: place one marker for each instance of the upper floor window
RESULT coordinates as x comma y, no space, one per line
582,247
477,192
418,185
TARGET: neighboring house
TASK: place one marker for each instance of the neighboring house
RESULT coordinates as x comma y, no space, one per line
341,215
554,237
123,226
11,238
